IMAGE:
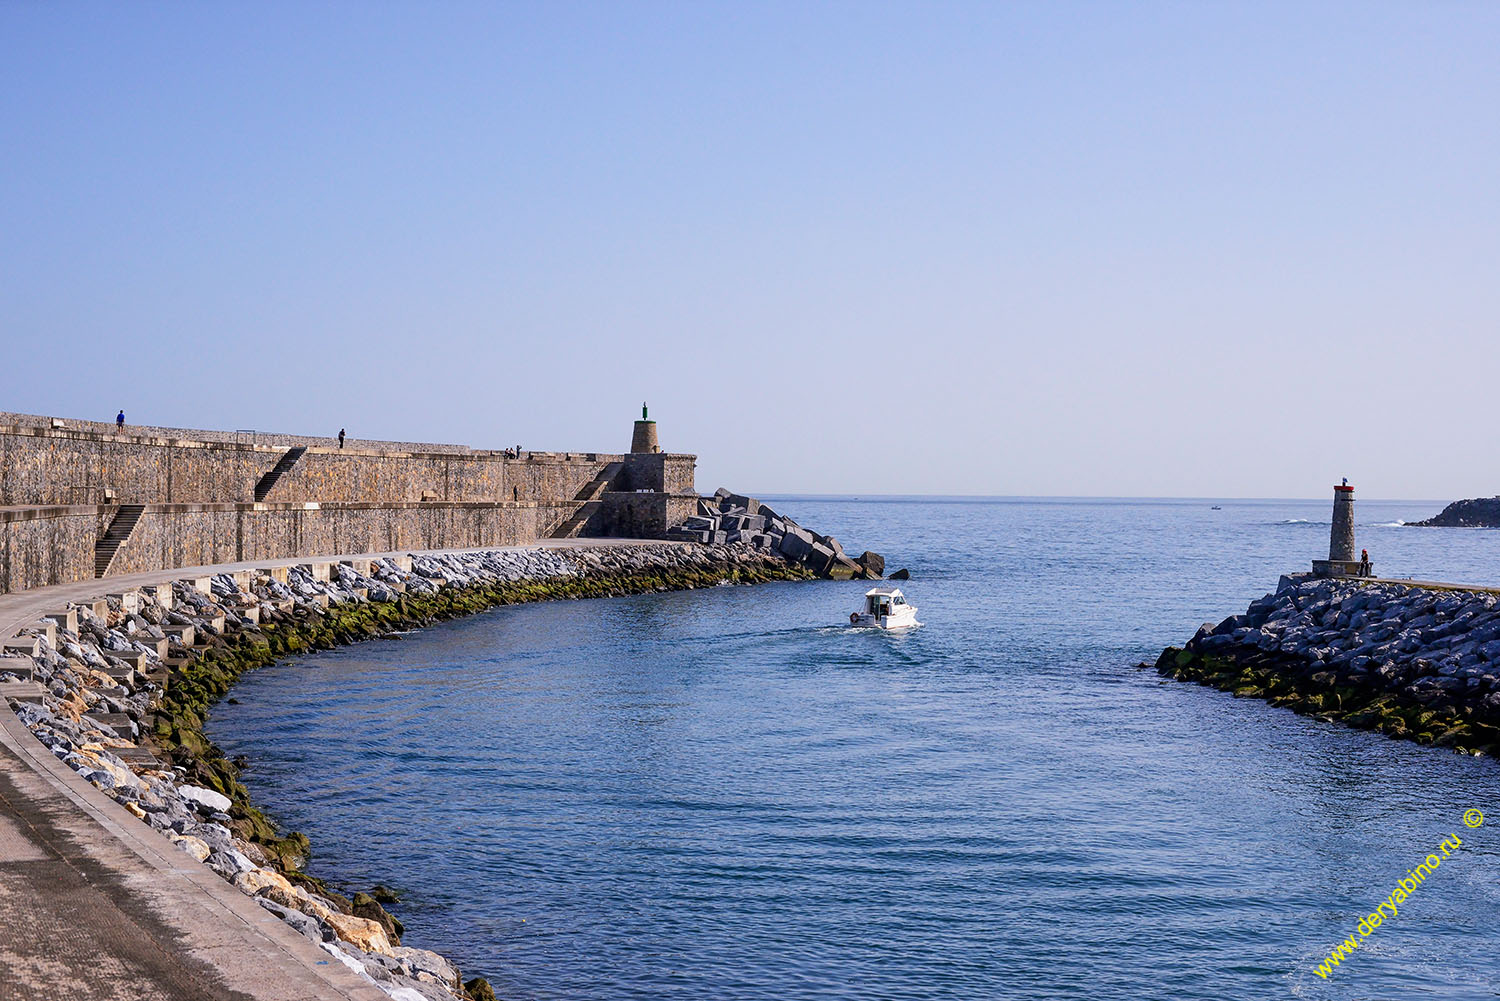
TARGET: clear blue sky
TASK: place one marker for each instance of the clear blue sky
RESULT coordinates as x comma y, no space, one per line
1032,248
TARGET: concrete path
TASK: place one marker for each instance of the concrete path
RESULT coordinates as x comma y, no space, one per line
95,904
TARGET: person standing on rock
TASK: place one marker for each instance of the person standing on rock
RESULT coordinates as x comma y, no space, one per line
341,437
120,419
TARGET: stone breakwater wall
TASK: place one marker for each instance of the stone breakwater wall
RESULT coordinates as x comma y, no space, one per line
254,437
119,688
1414,662
203,499
43,466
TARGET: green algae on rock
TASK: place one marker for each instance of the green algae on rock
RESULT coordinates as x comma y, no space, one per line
1413,662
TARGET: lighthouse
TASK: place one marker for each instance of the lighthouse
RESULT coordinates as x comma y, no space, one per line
1343,559
644,438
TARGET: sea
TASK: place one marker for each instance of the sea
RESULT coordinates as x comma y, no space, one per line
730,794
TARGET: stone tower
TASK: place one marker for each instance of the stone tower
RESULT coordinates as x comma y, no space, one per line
644,438
1341,539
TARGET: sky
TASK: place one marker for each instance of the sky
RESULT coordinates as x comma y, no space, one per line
1117,249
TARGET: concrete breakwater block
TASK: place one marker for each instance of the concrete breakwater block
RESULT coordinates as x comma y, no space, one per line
184,634
279,574
796,544
67,619
22,691
361,567
129,601
163,594
46,629
137,758
734,519
27,646
317,571
123,675
22,667
120,723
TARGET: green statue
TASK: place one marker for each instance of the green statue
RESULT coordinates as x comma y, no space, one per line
643,411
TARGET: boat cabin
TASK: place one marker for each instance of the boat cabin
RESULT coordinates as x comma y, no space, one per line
881,601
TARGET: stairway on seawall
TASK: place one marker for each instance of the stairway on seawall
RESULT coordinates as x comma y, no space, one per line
114,537
588,498
283,464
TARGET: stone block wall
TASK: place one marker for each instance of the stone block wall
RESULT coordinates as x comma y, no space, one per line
390,477
48,545
200,509
667,473
629,514
40,466
184,535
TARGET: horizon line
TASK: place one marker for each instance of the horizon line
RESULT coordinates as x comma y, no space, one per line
796,495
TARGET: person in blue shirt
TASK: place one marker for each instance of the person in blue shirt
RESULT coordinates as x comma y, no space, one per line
120,419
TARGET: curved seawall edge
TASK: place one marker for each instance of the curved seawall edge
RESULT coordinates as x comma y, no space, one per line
229,936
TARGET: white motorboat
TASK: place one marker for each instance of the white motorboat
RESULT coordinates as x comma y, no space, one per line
885,608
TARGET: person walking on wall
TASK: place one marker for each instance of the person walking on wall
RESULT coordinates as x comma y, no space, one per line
120,419
341,437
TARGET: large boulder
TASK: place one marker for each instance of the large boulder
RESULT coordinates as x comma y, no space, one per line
365,906
872,562
362,933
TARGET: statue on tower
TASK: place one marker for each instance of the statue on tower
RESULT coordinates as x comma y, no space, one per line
643,412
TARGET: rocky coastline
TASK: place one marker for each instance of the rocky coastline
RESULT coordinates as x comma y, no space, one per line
126,683
1415,662
1479,512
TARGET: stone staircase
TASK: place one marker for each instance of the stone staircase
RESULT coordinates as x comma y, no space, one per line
119,530
283,464
589,502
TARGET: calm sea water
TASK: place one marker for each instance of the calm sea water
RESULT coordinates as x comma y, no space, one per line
726,795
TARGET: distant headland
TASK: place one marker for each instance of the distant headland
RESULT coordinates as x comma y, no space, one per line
1479,512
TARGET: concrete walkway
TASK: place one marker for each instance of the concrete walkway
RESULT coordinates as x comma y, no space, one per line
95,904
